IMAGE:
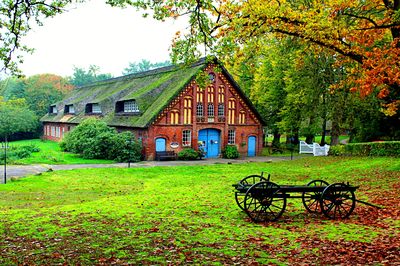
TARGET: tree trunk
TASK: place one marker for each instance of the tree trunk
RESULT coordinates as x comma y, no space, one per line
277,139
335,133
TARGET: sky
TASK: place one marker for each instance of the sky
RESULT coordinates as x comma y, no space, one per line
94,33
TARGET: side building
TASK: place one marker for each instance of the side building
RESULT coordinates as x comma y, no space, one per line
167,110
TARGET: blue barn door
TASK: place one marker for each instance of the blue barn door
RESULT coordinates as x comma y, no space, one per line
210,139
160,144
251,146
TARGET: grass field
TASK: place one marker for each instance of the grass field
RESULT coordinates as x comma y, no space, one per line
50,153
188,215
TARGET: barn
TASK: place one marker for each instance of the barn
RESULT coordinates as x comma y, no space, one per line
167,109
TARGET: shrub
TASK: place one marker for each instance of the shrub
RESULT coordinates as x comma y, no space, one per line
93,139
230,152
386,148
15,153
189,154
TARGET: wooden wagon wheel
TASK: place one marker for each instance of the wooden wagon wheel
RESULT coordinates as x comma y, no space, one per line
264,202
338,201
312,200
248,180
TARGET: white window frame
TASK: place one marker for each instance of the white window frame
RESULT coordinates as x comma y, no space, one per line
96,109
221,109
210,110
231,136
186,138
131,107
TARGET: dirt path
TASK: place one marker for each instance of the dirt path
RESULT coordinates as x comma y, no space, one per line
26,170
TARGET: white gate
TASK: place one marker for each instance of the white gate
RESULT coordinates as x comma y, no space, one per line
314,148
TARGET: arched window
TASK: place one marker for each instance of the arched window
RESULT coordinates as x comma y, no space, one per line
231,111
200,109
242,117
210,110
210,94
187,110
221,94
174,117
199,95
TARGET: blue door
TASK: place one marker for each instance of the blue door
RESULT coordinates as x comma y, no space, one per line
251,146
210,139
160,144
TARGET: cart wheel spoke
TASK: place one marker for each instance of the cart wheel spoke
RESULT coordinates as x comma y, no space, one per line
267,205
249,181
311,200
340,198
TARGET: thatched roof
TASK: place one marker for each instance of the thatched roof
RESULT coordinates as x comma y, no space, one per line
152,90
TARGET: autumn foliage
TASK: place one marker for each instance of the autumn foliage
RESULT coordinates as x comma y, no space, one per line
362,35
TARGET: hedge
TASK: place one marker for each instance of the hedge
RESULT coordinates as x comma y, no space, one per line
384,148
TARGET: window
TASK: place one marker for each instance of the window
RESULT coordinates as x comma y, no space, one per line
199,109
187,110
53,109
211,76
231,136
221,94
131,107
221,109
186,138
210,110
53,131
231,111
96,108
242,117
69,109
210,94
199,95
174,117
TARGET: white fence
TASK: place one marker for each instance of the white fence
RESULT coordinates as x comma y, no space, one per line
314,148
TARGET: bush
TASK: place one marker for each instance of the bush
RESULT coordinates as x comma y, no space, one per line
386,148
189,154
93,139
230,152
15,153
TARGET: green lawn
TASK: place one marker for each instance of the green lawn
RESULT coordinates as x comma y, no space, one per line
50,153
188,215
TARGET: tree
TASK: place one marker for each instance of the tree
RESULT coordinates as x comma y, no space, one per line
82,77
366,32
15,117
16,18
143,65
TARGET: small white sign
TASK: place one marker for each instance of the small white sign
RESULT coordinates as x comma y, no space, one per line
174,145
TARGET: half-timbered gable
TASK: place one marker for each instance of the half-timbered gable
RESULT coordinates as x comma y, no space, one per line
168,110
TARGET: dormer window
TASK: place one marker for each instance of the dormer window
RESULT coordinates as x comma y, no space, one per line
127,107
131,107
53,109
93,108
69,109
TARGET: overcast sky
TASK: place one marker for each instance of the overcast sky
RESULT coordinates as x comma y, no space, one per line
94,33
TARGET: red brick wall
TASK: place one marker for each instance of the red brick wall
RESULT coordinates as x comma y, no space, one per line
165,128
56,131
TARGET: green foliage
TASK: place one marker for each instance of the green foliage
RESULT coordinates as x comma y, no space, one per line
230,152
143,65
15,117
15,153
189,154
82,77
384,148
50,153
93,139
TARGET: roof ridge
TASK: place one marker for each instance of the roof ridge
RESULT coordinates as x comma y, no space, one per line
146,73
